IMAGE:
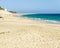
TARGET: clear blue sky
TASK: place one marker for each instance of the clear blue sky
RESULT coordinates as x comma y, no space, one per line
32,5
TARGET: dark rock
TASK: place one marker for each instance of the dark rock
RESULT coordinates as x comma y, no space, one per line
1,17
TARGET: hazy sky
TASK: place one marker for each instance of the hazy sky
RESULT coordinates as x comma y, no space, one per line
32,5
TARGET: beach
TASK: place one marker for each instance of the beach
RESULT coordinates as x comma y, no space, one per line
18,32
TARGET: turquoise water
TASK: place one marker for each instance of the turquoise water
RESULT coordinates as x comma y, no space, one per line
47,17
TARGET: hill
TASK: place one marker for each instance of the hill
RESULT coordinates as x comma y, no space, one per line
1,8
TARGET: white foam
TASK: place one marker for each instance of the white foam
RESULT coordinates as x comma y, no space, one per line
53,21
49,21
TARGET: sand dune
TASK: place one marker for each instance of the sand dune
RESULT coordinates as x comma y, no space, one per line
26,33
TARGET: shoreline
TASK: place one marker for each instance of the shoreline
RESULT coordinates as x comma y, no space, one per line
38,19
27,15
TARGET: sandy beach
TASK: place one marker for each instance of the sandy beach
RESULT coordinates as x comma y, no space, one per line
18,32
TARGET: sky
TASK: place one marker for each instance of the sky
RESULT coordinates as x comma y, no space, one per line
44,6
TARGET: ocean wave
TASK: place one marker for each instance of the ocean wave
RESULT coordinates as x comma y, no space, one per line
52,21
48,21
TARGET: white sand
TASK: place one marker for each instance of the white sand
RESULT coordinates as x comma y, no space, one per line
25,33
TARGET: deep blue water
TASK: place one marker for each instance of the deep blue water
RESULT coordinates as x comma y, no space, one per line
47,17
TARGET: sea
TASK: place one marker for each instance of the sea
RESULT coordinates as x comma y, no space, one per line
50,18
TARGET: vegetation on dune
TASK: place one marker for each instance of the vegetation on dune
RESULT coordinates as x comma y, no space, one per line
1,8
8,11
12,11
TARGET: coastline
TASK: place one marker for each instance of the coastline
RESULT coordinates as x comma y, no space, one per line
31,16
22,32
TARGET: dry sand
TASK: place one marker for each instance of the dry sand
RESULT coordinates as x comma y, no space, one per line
26,33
